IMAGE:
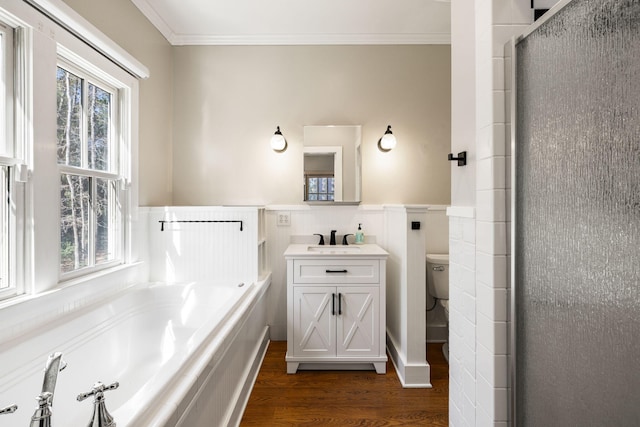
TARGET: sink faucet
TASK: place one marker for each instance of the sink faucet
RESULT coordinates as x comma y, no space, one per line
321,242
42,415
332,241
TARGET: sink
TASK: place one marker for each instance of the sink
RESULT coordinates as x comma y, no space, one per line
306,250
334,249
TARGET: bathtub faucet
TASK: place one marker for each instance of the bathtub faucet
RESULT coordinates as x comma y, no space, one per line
100,417
42,416
54,365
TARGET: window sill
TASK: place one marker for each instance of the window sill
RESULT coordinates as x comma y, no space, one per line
79,280
25,313
66,284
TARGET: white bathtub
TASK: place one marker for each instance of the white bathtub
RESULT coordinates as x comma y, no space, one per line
167,346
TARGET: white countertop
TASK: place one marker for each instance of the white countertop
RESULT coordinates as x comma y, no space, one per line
303,250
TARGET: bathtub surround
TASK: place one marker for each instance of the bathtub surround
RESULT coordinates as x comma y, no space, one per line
184,355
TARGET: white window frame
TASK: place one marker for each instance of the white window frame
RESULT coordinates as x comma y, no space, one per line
13,170
118,159
7,248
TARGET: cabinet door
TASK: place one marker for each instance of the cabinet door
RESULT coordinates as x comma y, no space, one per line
358,328
314,323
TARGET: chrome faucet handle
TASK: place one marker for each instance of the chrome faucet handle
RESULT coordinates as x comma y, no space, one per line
44,398
98,390
101,417
9,409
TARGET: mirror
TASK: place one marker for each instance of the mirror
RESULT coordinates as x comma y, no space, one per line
332,164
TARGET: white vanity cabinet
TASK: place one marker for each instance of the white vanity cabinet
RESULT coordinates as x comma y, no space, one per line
336,307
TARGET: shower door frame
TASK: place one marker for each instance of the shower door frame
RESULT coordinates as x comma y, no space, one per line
511,52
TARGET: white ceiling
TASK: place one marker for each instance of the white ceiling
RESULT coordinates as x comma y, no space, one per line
286,22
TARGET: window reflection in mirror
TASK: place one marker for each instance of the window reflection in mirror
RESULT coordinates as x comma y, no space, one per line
319,179
332,164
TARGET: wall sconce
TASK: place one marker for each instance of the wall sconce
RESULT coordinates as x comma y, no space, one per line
387,142
278,143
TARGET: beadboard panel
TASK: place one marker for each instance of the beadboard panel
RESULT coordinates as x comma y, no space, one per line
201,250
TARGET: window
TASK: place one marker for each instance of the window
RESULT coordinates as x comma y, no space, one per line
320,187
5,282
8,164
91,232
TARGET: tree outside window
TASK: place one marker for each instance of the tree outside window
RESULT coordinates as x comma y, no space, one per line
320,187
90,228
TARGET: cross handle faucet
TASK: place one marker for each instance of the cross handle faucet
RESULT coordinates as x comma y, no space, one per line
101,417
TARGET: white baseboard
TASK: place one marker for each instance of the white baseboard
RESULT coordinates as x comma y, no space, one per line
414,375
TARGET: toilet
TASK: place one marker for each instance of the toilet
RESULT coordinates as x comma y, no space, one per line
438,285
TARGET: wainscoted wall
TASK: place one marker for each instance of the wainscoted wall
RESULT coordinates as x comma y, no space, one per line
201,250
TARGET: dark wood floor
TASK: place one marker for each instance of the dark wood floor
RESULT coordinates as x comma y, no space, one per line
345,398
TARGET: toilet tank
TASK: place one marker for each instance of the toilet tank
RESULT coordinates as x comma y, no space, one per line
438,275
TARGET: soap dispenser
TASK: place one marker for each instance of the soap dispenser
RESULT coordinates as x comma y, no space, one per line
359,235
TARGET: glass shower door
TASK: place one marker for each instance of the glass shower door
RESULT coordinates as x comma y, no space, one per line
577,218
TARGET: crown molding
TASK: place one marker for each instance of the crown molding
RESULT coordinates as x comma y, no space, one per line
176,39
156,20
311,39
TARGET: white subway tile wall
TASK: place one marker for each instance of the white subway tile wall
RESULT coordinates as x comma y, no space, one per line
462,322
479,267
